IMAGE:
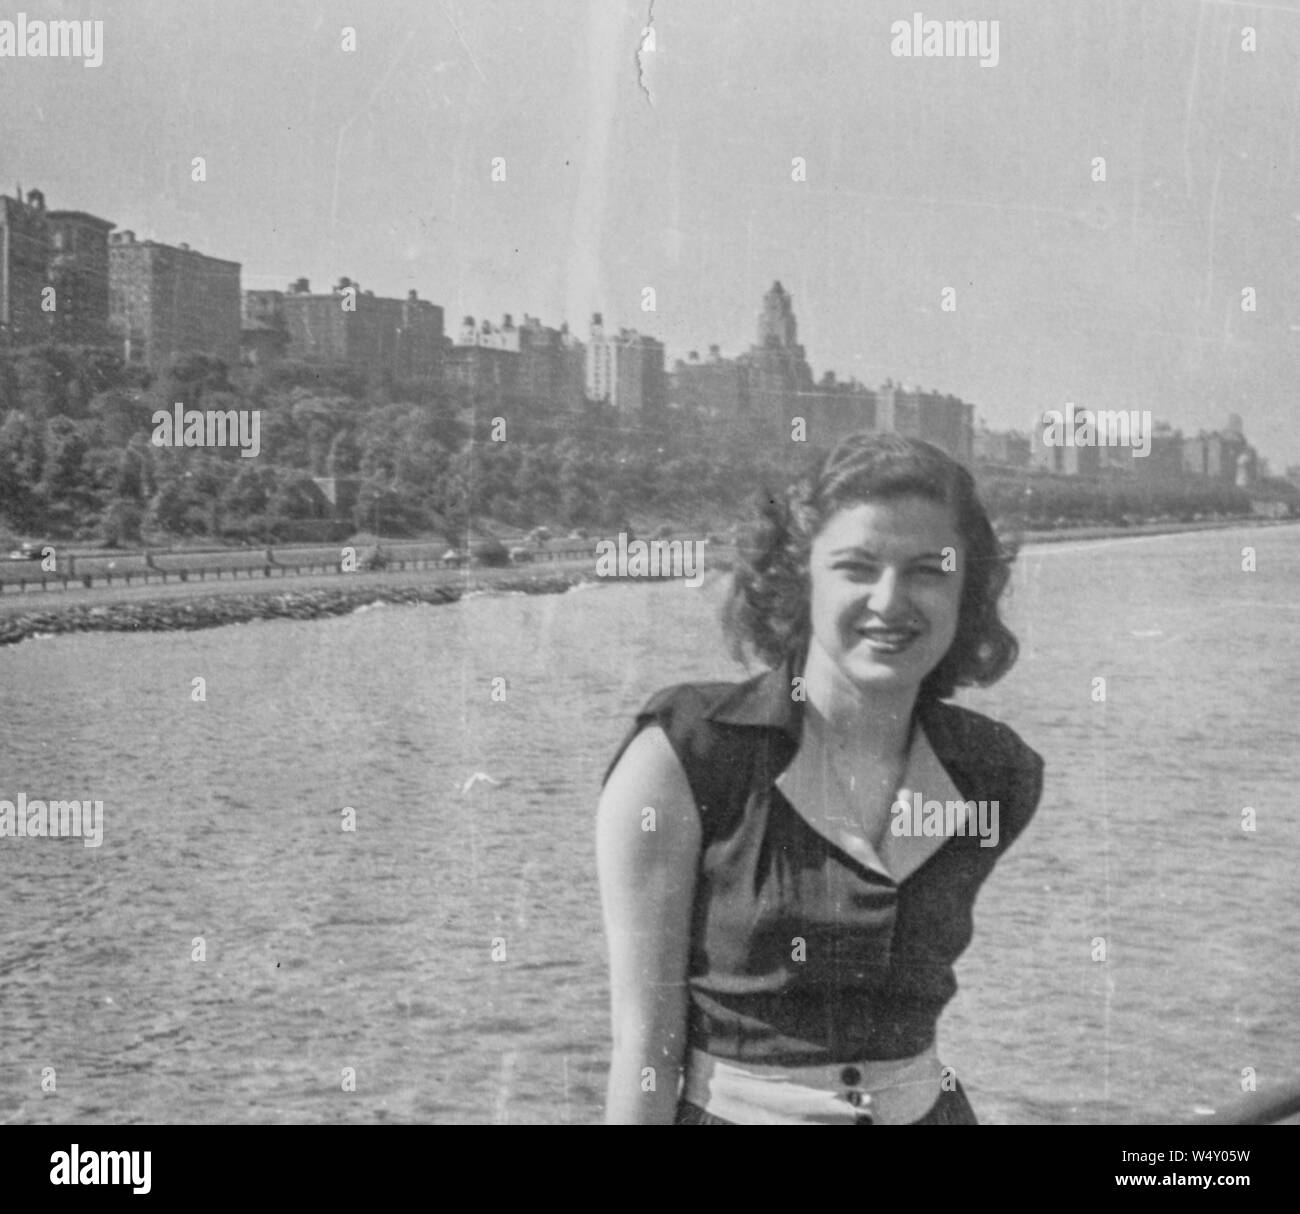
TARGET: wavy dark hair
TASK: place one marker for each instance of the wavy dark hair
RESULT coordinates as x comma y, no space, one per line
768,612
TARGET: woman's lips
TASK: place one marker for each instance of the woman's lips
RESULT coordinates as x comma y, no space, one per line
889,640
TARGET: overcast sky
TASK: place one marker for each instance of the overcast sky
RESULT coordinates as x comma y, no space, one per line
922,173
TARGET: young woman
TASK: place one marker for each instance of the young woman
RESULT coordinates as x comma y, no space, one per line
788,865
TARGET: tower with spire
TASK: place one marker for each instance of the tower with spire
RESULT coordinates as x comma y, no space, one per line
776,323
776,367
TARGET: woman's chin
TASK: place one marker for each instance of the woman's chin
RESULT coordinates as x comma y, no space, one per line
873,674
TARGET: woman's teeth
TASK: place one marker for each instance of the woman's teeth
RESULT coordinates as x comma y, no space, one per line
888,640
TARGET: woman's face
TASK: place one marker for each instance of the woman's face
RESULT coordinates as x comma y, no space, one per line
884,609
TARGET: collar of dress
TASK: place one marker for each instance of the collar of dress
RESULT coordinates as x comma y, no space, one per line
810,784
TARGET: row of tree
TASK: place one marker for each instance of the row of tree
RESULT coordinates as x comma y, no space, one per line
77,457
1047,502
77,460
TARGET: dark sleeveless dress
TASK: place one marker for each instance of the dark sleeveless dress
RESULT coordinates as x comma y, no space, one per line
878,955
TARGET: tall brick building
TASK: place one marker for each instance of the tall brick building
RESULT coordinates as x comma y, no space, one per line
531,363
1057,457
1165,461
1004,448
79,273
552,365
24,268
833,410
947,422
167,301
716,386
484,360
263,333
1222,455
626,369
362,330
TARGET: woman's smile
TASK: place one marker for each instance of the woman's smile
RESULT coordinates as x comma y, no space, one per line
888,640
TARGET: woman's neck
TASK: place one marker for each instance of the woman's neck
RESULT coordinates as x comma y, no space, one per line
874,722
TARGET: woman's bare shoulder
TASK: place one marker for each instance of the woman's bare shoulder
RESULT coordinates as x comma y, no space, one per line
649,777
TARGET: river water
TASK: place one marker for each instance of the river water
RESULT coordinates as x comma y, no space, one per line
447,953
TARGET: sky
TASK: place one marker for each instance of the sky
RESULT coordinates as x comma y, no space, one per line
673,170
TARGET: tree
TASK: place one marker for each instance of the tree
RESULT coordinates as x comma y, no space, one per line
190,376
344,457
40,384
121,522
65,483
322,379
133,473
22,455
122,413
248,494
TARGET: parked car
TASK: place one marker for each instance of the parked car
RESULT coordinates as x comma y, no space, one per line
29,551
452,557
520,556
490,552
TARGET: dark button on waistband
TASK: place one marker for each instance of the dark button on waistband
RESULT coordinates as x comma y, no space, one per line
850,1076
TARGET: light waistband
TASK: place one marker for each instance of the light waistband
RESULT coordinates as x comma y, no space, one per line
856,1093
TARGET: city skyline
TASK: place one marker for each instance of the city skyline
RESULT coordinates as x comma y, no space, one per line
160,302
677,175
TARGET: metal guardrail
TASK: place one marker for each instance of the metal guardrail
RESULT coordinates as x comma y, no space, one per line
147,568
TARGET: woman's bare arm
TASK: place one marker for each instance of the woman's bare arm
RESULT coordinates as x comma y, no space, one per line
647,850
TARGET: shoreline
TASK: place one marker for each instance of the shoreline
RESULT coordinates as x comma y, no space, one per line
188,613
195,607
1067,535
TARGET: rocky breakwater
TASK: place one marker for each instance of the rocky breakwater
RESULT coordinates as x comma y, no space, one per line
216,610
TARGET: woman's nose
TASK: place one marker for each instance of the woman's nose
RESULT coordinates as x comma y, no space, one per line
888,597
